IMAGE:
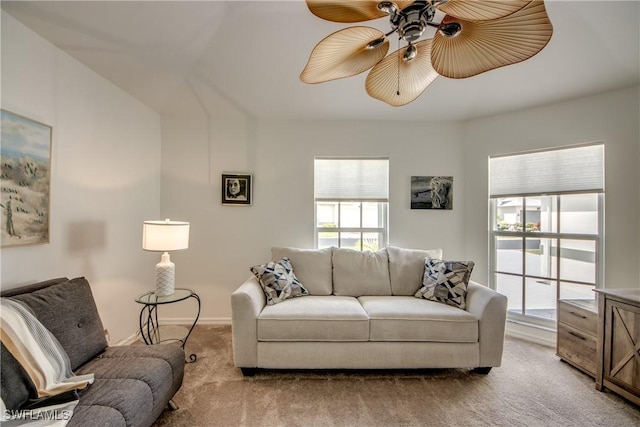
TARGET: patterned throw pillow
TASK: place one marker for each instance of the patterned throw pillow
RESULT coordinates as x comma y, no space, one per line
446,281
278,281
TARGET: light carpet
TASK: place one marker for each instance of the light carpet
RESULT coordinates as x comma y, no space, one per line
531,388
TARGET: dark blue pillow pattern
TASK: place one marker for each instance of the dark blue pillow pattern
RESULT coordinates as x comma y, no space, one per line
446,281
278,281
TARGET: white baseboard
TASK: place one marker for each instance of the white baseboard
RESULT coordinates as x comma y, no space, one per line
543,336
189,320
129,340
177,321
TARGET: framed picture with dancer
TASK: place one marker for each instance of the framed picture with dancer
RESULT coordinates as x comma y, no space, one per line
25,173
237,189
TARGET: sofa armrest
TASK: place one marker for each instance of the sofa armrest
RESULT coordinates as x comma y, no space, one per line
490,307
246,304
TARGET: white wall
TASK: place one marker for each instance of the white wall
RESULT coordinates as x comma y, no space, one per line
105,177
227,240
612,118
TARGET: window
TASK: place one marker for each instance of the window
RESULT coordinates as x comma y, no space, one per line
351,202
547,228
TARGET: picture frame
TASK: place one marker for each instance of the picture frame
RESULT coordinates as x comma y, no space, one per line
432,192
25,170
237,189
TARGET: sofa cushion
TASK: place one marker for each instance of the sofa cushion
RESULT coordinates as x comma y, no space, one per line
278,281
446,282
149,376
128,402
314,318
406,268
312,266
74,321
405,318
357,273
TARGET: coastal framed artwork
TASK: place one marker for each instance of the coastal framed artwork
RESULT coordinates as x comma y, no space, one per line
237,189
432,192
25,172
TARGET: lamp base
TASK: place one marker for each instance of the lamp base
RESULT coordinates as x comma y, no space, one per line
165,276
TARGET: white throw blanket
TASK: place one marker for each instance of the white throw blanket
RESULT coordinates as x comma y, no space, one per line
45,362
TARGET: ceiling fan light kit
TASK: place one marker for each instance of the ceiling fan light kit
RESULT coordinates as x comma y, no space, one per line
472,38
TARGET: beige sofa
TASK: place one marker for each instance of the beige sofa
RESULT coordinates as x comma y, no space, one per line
361,313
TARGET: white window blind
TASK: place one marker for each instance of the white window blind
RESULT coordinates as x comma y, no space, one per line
555,171
351,179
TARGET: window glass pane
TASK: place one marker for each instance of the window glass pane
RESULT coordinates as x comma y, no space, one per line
531,215
579,214
576,291
371,241
508,214
549,214
578,260
540,298
541,260
511,287
326,240
371,215
350,241
349,214
327,214
542,214
509,254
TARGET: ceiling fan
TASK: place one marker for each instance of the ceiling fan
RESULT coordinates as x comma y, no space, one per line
474,36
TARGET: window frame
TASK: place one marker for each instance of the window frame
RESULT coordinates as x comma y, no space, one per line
383,212
557,236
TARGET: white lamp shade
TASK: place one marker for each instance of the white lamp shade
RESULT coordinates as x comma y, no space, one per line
164,236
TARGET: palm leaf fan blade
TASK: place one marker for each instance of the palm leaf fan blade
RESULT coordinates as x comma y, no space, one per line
481,10
344,53
398,82
485,45
350,11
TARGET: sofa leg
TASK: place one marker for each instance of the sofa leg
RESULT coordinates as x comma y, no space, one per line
482,371
248,372
172,405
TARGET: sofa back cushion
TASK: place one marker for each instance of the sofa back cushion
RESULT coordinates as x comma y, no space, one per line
69,312
357,273
312,267
15,385
406,268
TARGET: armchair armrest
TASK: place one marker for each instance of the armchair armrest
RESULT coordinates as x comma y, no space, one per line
490,307
246,304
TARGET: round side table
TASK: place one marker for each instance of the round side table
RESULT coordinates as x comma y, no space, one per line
150,329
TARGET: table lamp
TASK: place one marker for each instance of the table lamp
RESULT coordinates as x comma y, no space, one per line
165,236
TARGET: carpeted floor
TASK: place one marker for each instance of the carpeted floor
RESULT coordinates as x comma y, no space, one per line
531,388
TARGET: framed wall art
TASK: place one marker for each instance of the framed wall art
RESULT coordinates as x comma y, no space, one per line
432,192
25,173
237,189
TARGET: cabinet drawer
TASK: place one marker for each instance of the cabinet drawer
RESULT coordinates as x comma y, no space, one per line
578,317
578,348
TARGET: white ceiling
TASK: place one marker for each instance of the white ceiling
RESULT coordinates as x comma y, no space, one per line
242,59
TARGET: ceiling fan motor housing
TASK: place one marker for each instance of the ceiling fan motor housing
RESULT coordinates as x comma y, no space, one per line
412,20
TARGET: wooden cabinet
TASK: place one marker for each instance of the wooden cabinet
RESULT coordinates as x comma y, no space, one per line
577,333
618,366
